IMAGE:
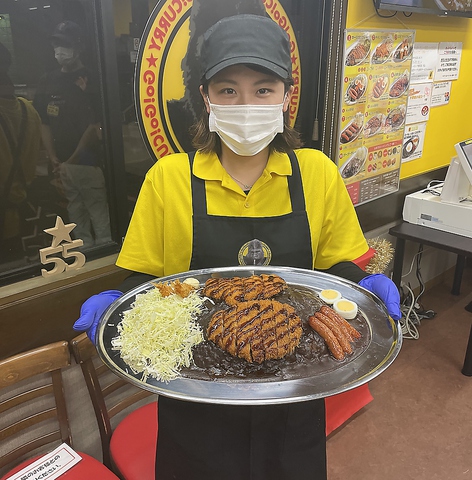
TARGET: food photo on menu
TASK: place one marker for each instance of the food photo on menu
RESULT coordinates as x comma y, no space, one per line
404,50
355,164
358,52
413,140
379,86
353,129
374,124
410,146
356,89
382,51
395,119
400,85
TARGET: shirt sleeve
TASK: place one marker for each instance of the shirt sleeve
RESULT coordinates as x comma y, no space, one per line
142,249
341,237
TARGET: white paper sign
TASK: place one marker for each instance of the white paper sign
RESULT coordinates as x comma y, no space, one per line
441,94
425,59
413,141
449,61
419,99
49,466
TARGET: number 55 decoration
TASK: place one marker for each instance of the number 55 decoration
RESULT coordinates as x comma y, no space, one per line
58,251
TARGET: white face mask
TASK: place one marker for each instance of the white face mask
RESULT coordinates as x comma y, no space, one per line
64,55
246,129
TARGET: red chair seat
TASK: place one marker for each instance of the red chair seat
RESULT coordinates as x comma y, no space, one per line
87,468
341,407
134,442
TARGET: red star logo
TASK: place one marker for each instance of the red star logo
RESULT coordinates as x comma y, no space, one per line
152,61
294,59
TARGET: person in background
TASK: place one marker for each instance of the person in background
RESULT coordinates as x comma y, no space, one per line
20,138
248,180
71,134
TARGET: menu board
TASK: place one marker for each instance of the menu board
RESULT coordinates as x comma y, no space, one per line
376,79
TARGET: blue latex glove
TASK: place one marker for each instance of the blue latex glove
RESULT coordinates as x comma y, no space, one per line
92,309
386,290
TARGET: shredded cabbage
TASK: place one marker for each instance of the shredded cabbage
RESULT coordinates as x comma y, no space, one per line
157,334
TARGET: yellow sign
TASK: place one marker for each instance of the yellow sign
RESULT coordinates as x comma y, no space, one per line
167,75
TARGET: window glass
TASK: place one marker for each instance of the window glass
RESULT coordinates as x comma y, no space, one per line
78,151
130,18
51,143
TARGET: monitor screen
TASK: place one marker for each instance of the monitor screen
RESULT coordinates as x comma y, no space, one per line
464,152
461,8
458,181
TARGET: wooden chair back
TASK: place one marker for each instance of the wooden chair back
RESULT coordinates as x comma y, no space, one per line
109,393
33,413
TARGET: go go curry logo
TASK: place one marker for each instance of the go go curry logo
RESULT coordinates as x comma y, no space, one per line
167,73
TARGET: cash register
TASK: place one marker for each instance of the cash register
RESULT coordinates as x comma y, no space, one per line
447,206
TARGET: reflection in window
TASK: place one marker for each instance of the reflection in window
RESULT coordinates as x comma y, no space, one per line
67,99
51,147
130,20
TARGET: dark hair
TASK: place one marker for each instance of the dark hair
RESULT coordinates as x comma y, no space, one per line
207,142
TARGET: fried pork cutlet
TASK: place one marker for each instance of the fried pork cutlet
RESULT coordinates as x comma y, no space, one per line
256,330
237,289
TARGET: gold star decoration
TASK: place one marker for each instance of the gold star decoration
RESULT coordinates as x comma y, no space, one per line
60,232
384,253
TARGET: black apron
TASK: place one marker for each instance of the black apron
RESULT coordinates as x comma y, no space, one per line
200,441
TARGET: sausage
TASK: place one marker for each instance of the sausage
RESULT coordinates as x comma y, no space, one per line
337,332
353,93
345,137
331,313
328,336
342,321
328,312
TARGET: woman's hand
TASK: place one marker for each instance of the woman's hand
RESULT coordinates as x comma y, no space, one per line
93,309
386,290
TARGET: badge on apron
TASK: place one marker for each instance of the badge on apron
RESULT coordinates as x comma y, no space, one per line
254,252
52,110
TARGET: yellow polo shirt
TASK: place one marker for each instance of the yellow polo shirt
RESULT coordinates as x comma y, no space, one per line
159,237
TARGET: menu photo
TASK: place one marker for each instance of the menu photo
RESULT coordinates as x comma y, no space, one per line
413,141
373,111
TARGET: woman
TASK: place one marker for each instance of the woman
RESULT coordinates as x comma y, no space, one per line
248,194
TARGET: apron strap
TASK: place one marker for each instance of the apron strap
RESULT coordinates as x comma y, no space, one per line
198,190
295,187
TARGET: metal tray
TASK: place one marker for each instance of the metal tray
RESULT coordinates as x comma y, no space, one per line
383,345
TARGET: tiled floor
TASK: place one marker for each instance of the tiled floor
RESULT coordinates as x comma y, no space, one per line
419,425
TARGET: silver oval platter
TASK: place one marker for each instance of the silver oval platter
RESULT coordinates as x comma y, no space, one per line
302,377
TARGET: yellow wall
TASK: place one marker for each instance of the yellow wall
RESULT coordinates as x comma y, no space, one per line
447,124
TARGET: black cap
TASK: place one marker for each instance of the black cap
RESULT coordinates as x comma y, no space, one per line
245,39
68,33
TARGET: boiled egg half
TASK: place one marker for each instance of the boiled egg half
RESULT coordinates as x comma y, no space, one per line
193,282
345,308
330,296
